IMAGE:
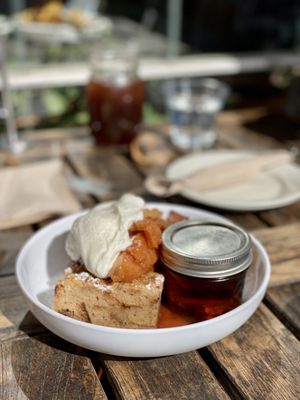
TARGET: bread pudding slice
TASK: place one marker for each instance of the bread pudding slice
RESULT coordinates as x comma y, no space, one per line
114,248
133,304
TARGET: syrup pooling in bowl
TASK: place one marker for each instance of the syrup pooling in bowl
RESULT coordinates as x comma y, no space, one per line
173,316
169,318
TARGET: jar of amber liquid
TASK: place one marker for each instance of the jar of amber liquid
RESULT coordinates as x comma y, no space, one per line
115,96
204,266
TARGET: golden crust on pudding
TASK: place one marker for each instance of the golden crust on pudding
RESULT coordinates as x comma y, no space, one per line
104,302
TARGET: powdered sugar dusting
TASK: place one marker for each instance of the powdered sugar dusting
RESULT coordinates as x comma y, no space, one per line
68,271
159,280
96,282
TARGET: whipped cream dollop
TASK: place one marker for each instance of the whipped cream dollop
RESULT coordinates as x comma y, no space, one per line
98,237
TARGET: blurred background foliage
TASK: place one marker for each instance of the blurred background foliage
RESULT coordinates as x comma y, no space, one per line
207,27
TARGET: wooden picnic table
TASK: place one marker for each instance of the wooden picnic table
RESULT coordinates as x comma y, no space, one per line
261,360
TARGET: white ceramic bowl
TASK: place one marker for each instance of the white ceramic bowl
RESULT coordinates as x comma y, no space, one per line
42,261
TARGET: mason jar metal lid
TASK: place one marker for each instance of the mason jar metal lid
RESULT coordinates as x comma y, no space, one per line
206,249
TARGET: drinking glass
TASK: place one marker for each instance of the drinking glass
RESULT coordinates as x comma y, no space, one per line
192,106
115,96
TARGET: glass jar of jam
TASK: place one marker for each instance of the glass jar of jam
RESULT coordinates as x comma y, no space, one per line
205,264
115,96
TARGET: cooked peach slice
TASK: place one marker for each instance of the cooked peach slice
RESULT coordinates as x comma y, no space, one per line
150,228
152,213
142,254
135,261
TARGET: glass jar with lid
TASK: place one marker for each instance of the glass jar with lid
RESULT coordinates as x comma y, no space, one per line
205,264
115,95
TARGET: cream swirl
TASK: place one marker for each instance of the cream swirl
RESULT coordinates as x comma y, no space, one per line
98,237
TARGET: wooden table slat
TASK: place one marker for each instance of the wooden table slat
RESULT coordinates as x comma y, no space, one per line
261,359
285,258
285,303
282,216
108,166
10,242
31,369
184,376
14,308
247,220
238,137
8,330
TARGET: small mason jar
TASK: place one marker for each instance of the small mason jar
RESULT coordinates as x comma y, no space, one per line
205,264
115,96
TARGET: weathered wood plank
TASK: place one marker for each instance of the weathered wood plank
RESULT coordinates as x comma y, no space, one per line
14,308
56,371
44,149
282,245
85,199
10,243
5,322
29,369
266,125
285,303
261,359
285,272
282,216
185,376
246,220
56,134
11,334
8,331
240,116
108,166
238,137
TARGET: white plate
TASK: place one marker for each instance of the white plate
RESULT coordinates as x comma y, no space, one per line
62,32
41,263
267,190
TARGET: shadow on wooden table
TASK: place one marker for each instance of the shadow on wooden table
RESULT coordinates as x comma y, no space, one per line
42,371
276,125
